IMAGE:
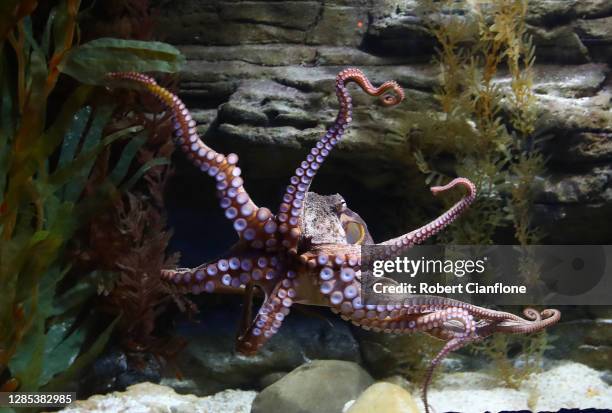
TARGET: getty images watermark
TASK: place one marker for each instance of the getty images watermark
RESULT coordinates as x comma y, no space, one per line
492,274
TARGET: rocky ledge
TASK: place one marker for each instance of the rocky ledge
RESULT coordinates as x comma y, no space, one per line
260,76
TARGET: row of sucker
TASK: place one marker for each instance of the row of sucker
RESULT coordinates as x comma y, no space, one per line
290,209
232,272
332,260
342,287
256,226
270,316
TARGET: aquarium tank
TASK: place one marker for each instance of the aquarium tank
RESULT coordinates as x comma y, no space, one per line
305,206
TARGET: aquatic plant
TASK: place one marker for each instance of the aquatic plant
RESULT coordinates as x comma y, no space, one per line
489,131
47,156
501,349
130,238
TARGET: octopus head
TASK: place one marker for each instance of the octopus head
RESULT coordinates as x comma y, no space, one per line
326,219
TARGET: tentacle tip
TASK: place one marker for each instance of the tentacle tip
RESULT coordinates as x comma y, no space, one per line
457,181
396,95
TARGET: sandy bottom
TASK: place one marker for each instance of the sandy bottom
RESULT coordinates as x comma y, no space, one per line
569,385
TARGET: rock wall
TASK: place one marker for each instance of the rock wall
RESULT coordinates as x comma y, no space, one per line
259,79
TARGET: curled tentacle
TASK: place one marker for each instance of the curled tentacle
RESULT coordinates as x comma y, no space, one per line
397,245
292,205
357,76
544,319
532,314
250,222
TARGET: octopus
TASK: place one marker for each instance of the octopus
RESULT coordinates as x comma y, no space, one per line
309,250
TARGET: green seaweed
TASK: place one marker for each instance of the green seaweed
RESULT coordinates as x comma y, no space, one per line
487,130
48,164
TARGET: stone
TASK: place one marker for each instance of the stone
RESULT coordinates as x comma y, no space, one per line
400,381
306,79
565,81
565,223
116,370
290,14
265,54
582,147
403,35
207,93
384,397
550,12
561,115
271,378
301,45
206,27
596,30
586,341
592,187
592,8
155,398
348,56
322,386
559,44
241,114
339,26
210,362
596,34
264,102
599,357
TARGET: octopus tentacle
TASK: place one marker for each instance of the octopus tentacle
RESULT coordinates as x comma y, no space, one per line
269,317
292,204
343,289
544,319
223,274
450,346
249,221
398,245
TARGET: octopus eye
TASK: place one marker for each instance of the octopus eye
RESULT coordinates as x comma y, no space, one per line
341,206
355,232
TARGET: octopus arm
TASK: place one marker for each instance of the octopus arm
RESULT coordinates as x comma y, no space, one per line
292,204
249,221
223,275
269,318
398,245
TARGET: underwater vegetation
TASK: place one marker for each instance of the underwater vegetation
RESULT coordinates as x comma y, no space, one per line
66,153
503,161
486,130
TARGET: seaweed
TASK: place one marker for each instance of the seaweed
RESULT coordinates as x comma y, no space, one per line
130,238
500,348
487,131
47,160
